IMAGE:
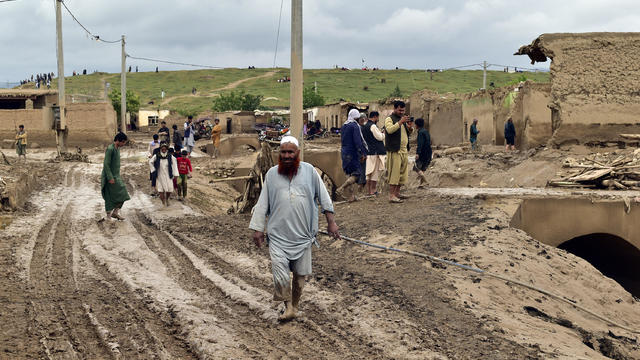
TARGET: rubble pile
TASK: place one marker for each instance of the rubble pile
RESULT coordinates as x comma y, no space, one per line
73,157
607,170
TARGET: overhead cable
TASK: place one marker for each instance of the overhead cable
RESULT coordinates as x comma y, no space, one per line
175,62
275,53
94,37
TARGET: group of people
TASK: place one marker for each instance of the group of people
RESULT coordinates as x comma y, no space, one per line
367,151
39,80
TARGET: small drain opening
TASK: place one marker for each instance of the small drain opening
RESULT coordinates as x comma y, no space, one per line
601,232
612,255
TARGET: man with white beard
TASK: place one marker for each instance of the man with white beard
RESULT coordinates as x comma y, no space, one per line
164,168
289,198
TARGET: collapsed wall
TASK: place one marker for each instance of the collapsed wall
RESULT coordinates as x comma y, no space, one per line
595,84
449,117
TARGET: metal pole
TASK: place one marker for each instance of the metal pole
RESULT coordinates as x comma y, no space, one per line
60,131
484,75
123,91
296,73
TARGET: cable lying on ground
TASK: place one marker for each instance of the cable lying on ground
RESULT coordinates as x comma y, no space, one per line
483,272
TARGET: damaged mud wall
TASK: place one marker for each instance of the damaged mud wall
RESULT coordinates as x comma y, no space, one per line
536,114
479,106
445,123
89,124
595,83
37,123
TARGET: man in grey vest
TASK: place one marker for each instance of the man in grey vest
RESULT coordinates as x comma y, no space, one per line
398,128
376,156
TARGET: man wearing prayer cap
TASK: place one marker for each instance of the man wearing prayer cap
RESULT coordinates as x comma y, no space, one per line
289,198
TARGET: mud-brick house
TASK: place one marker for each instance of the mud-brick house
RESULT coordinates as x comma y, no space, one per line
334,115
595,84
88,124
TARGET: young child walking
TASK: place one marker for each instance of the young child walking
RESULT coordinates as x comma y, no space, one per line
185,170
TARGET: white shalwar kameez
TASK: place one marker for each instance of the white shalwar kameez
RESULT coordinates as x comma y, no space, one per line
292,227
164,183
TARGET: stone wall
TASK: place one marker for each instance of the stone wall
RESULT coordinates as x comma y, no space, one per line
595,83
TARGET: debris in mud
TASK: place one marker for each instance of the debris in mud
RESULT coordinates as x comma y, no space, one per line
78,156
608,170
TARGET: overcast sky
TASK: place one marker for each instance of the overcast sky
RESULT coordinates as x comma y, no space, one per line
236,33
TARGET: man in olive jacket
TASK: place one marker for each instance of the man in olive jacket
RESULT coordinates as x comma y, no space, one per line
398,128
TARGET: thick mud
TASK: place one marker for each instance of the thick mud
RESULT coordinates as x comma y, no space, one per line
186,281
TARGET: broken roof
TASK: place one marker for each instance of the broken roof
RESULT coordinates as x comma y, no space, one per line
541,48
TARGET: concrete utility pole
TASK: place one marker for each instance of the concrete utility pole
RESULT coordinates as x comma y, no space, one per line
62,126
123,91
296,74
484,74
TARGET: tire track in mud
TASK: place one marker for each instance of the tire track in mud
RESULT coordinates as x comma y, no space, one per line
55,302
222,293
331,340
78,309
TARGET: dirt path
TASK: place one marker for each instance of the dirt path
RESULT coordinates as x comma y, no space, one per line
215,92
176,283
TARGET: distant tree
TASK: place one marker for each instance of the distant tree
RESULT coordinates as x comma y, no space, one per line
237,101
396,93
133,102
310,98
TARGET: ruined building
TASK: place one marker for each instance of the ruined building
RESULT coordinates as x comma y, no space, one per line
595,84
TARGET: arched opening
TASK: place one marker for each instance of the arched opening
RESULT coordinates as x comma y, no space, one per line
613,256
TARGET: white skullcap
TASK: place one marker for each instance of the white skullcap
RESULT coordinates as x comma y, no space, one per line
289,139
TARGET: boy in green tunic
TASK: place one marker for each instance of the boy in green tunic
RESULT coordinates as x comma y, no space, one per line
114,192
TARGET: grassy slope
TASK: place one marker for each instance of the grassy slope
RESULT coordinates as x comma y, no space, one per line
332,84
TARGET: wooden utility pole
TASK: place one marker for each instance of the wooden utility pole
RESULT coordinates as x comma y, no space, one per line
123,91
61,127
296,74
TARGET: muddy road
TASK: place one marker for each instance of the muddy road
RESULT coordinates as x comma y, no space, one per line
180,282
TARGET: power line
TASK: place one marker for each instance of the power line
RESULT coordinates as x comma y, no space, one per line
174,62
94,37
461,67
514,66
275,53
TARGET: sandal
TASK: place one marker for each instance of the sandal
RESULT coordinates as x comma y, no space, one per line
395,201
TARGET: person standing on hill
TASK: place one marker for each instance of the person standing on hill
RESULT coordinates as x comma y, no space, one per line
353,151
509,135
215,136
21,143
398,128
473,134
376,156
114,191
287,210
189,139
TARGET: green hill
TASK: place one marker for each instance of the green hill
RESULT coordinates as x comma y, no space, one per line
333,84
